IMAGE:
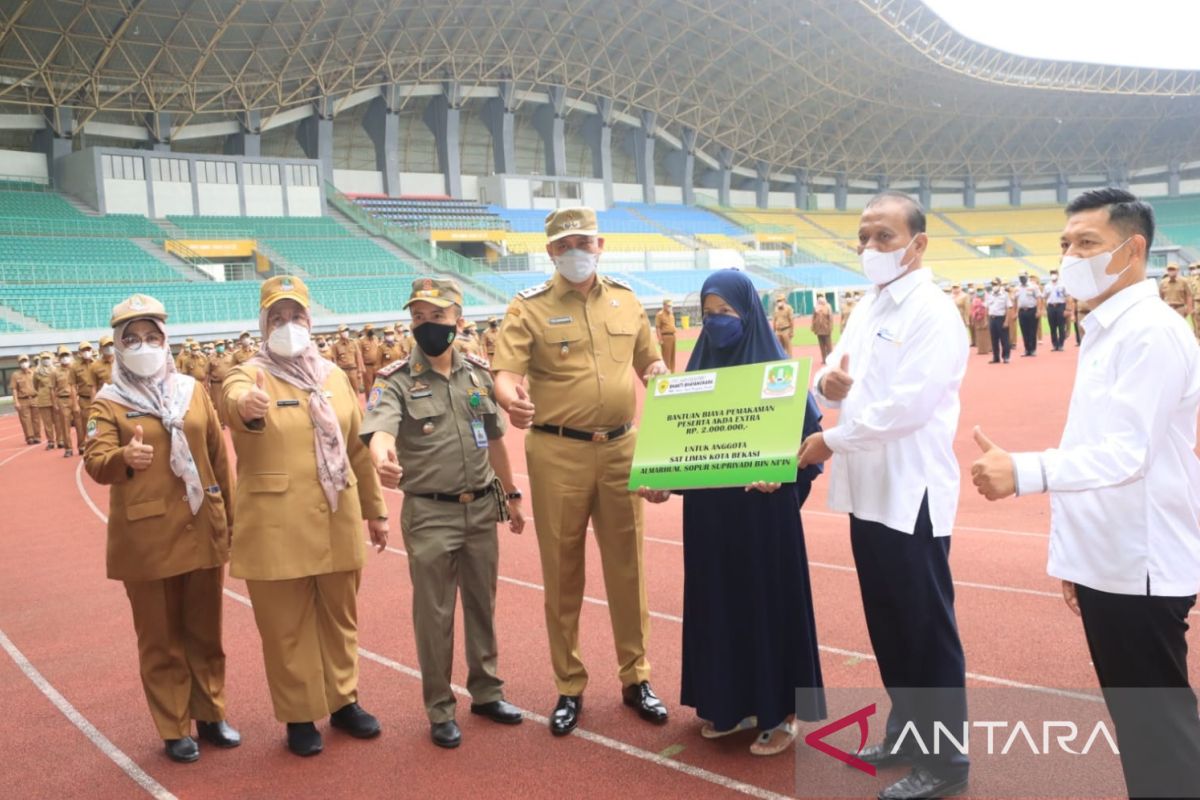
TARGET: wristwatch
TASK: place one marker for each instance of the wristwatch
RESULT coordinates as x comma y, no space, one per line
513,495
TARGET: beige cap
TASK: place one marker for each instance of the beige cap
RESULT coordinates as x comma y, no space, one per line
282,287
84,346
136,307
441,292
105,340
578,221
343,327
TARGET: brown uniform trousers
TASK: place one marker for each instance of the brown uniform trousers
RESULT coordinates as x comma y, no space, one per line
218,368
563,341
347,356
1177,294
783,321
81,373
664,325
170,560
822,328
64,408
369,346
100,372
43,405
301,559
24,393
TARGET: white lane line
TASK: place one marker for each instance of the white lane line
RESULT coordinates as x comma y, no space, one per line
825,648
17,454
700,773
102,742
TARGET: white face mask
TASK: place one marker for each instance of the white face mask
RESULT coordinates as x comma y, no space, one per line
883,268
289,340
108,350
344,334
576,265
24,365
65,361
146,361
1085,278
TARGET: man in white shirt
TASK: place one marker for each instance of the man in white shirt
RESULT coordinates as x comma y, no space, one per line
1028,297
1056,311
1124,490
998,304
899,365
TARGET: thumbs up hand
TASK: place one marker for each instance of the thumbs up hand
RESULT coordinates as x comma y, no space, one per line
137,454
837,382
520,411
383,456
993,473
254,404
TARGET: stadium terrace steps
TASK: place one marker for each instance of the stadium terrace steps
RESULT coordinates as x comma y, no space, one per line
45,259
228,227
186,271
13,321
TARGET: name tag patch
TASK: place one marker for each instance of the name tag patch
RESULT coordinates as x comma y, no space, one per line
561,320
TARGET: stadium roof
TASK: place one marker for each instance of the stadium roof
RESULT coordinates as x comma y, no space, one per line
855,87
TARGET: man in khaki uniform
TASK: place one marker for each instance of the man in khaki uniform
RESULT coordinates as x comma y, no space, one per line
1194,284
219,366
435,432
391,350
664,326
783,322
245,349
962,302
368,345
101,369
43,403
577,338
347,356
467,342
849,301
85,389
66,403
1176,292
23,392
489,337
196,367
185,352
822,326
403,339
298,542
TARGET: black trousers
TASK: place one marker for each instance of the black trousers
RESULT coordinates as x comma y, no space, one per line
1138,647
1056,314
1027,319
1000,345
908,600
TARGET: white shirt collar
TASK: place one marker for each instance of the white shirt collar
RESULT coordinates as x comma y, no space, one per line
1111,309
902,287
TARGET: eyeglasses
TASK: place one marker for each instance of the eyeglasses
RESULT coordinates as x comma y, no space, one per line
132,342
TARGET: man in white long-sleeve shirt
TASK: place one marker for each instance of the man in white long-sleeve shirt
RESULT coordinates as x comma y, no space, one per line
899,365
1124,488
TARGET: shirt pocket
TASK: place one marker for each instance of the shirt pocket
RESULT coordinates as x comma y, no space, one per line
621,336
267,483
424,408
145,510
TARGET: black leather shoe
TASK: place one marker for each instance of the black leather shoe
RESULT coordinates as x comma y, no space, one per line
881,755
50,445
183,750
354,721
220,733
445,734
921,783
499,711
566,714
643,698
304,739
67,453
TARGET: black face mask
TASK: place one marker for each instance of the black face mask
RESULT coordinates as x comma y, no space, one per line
434,338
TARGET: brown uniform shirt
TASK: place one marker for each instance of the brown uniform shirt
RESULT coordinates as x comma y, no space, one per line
347,355
1175,293
43,382
81,374
577,351
467,345
152,533
490,337
664,322
242,354
197,367
369,347
218,368
21,386
64,386
431,417
285,526
782,318
389,353
822,321
101,370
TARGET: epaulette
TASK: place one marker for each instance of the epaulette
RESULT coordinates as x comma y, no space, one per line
478,361
392,367
534,291
616,282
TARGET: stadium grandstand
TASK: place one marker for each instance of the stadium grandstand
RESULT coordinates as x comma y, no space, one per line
192,150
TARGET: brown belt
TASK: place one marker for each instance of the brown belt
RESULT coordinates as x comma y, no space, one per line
585,436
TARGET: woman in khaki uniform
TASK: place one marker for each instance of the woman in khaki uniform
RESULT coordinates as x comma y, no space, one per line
153,436
305,483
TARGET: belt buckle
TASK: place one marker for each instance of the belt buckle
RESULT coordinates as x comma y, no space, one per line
600,436
466,497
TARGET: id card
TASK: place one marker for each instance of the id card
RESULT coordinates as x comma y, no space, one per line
480,434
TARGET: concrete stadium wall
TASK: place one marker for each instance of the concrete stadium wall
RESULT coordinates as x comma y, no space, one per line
18,164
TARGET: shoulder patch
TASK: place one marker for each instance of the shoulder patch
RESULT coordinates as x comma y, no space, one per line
609,279
534,291
391,368
478,361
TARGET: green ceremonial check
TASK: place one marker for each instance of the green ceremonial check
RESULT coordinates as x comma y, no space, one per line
722,427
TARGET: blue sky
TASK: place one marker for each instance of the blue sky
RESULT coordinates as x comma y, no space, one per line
1138,33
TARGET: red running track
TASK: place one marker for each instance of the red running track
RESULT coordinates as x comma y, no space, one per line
63,624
